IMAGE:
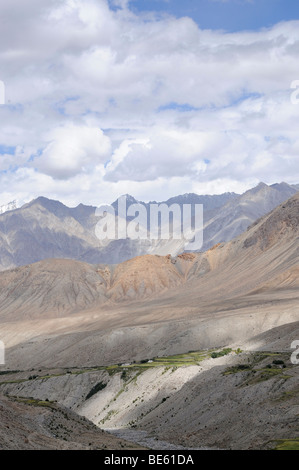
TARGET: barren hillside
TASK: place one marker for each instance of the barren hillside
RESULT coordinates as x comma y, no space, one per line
267,253
29,424
76,326
73,313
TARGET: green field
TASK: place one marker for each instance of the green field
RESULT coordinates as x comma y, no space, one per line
287,444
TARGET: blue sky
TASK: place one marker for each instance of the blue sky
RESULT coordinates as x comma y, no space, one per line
152,98
230,15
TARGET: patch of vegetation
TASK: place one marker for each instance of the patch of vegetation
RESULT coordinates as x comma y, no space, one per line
224,352
260,370
95,389
288,395
125,375
17,381
108,416
113,370
35,402
278,362
261,375
287,444
4,372
237,368
179,360
261,355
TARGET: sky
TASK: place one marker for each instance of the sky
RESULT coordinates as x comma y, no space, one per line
153,98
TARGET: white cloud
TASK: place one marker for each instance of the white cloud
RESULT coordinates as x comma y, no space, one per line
133,104
165,153
73,149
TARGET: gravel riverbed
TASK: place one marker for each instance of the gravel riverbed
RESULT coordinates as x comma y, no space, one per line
142,438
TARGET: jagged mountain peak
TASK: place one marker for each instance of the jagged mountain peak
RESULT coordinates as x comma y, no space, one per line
259,255
46,228
51,205
272,228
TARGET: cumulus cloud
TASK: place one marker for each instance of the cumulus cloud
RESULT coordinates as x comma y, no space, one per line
73,149
162,154
103,96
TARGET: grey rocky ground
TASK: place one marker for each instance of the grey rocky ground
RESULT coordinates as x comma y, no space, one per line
238,401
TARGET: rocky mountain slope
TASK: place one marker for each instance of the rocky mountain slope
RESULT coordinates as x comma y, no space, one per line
59,287
242,399
29,424
45,229
239,213
131,345
148,305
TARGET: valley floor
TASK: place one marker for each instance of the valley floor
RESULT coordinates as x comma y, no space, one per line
225,399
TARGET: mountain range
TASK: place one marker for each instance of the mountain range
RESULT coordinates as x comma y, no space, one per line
192,348
46,228
260,266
